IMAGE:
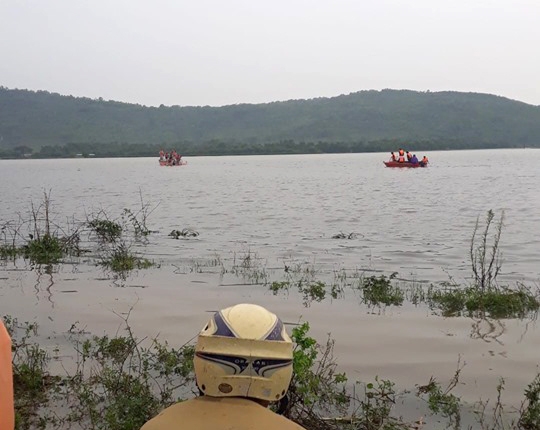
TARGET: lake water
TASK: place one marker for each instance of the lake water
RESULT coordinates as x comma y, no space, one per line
284,210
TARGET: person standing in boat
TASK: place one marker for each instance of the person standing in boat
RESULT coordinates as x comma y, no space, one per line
401,155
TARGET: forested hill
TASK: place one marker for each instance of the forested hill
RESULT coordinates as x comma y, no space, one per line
445,120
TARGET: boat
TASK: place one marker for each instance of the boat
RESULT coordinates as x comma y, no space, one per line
168,164
404,164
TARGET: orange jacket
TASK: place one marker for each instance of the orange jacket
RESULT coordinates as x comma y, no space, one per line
425,160
7,414
401,159
401,152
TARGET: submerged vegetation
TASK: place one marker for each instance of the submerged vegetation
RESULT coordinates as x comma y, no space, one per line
46,243
119,382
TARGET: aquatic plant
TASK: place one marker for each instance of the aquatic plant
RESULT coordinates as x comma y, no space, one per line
249,266
8,251
378,290
45,242
120,259
106,230
120,382
33,384
186,232
486,260
316,387
44,250
342,235
530,415
441,400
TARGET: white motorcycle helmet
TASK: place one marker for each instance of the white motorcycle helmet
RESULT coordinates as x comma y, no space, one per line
244,351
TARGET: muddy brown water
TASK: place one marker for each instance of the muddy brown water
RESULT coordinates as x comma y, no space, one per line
284,210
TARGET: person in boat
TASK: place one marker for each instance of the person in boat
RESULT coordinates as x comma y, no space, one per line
7,411
401,152
393,157
161,155
414,159
243,361
409,156
401,158
424,161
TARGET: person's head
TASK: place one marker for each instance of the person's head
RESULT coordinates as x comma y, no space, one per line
244,351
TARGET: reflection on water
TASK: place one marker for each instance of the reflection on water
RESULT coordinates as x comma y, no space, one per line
488,329
332,216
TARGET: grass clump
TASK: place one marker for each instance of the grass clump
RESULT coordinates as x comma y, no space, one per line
46,249
485,295
8,251
501,302
45,243
380,291
106,230
122,260
530,416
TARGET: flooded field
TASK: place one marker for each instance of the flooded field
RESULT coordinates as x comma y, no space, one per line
261,219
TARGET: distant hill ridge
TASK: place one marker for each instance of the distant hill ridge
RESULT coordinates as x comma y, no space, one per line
35,119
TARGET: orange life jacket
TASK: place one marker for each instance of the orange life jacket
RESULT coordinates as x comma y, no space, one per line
401,159
7,414
401,152
425,160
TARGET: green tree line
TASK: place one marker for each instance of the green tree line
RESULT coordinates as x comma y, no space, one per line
217,147
43,124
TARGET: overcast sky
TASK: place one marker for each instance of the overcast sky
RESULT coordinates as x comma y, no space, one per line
220,52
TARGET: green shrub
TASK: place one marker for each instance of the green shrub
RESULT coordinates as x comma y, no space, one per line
44,250
380,291
107,231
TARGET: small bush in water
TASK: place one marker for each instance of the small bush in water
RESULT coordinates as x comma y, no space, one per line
45,250
106,230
